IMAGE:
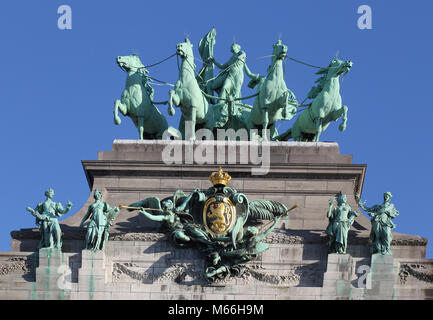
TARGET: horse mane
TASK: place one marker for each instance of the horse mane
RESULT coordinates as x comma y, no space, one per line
314,92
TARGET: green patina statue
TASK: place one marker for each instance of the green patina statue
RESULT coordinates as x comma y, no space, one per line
47,214
215,221
341,219
381,224
188,96
226,261
325,108
136,101
193,93
101,217
228,85
205,49
274,101
174,217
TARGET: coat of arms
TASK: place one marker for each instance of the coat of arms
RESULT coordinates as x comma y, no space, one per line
219,215
215,221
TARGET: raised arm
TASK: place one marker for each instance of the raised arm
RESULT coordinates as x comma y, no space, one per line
250,74
361,204
331,203
60,211
219,65
158,218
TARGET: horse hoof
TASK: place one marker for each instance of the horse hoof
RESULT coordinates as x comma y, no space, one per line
171,111
117,120
342,127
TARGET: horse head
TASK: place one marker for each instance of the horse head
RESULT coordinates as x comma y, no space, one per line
131,63
279,50
336,68
184,49
279,53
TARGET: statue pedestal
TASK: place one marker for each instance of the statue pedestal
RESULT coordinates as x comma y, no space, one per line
338,276
52,281
382,277
91,275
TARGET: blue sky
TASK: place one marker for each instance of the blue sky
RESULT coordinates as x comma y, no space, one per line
58,86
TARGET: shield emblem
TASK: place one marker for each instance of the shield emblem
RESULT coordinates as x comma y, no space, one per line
219,215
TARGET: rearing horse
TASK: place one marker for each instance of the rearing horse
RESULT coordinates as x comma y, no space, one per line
274,101
325,108
136,101
188,96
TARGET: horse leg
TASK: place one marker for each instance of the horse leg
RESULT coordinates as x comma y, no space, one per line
319,129
265,122
296,133
140,127
342,126
273,132
209,124
173,98
182,127
191,124
119,106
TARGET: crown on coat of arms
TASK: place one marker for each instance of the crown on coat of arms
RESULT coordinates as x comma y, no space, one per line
220,177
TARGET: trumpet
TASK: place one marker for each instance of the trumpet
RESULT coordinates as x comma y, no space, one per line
284,214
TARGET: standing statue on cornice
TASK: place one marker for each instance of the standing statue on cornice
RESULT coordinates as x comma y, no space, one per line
101,217
46,214
341,219
381,223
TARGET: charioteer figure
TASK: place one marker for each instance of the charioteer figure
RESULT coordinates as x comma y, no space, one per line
228,83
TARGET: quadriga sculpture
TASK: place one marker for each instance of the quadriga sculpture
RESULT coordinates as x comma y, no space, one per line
188,96
136,101
325,108
274,101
